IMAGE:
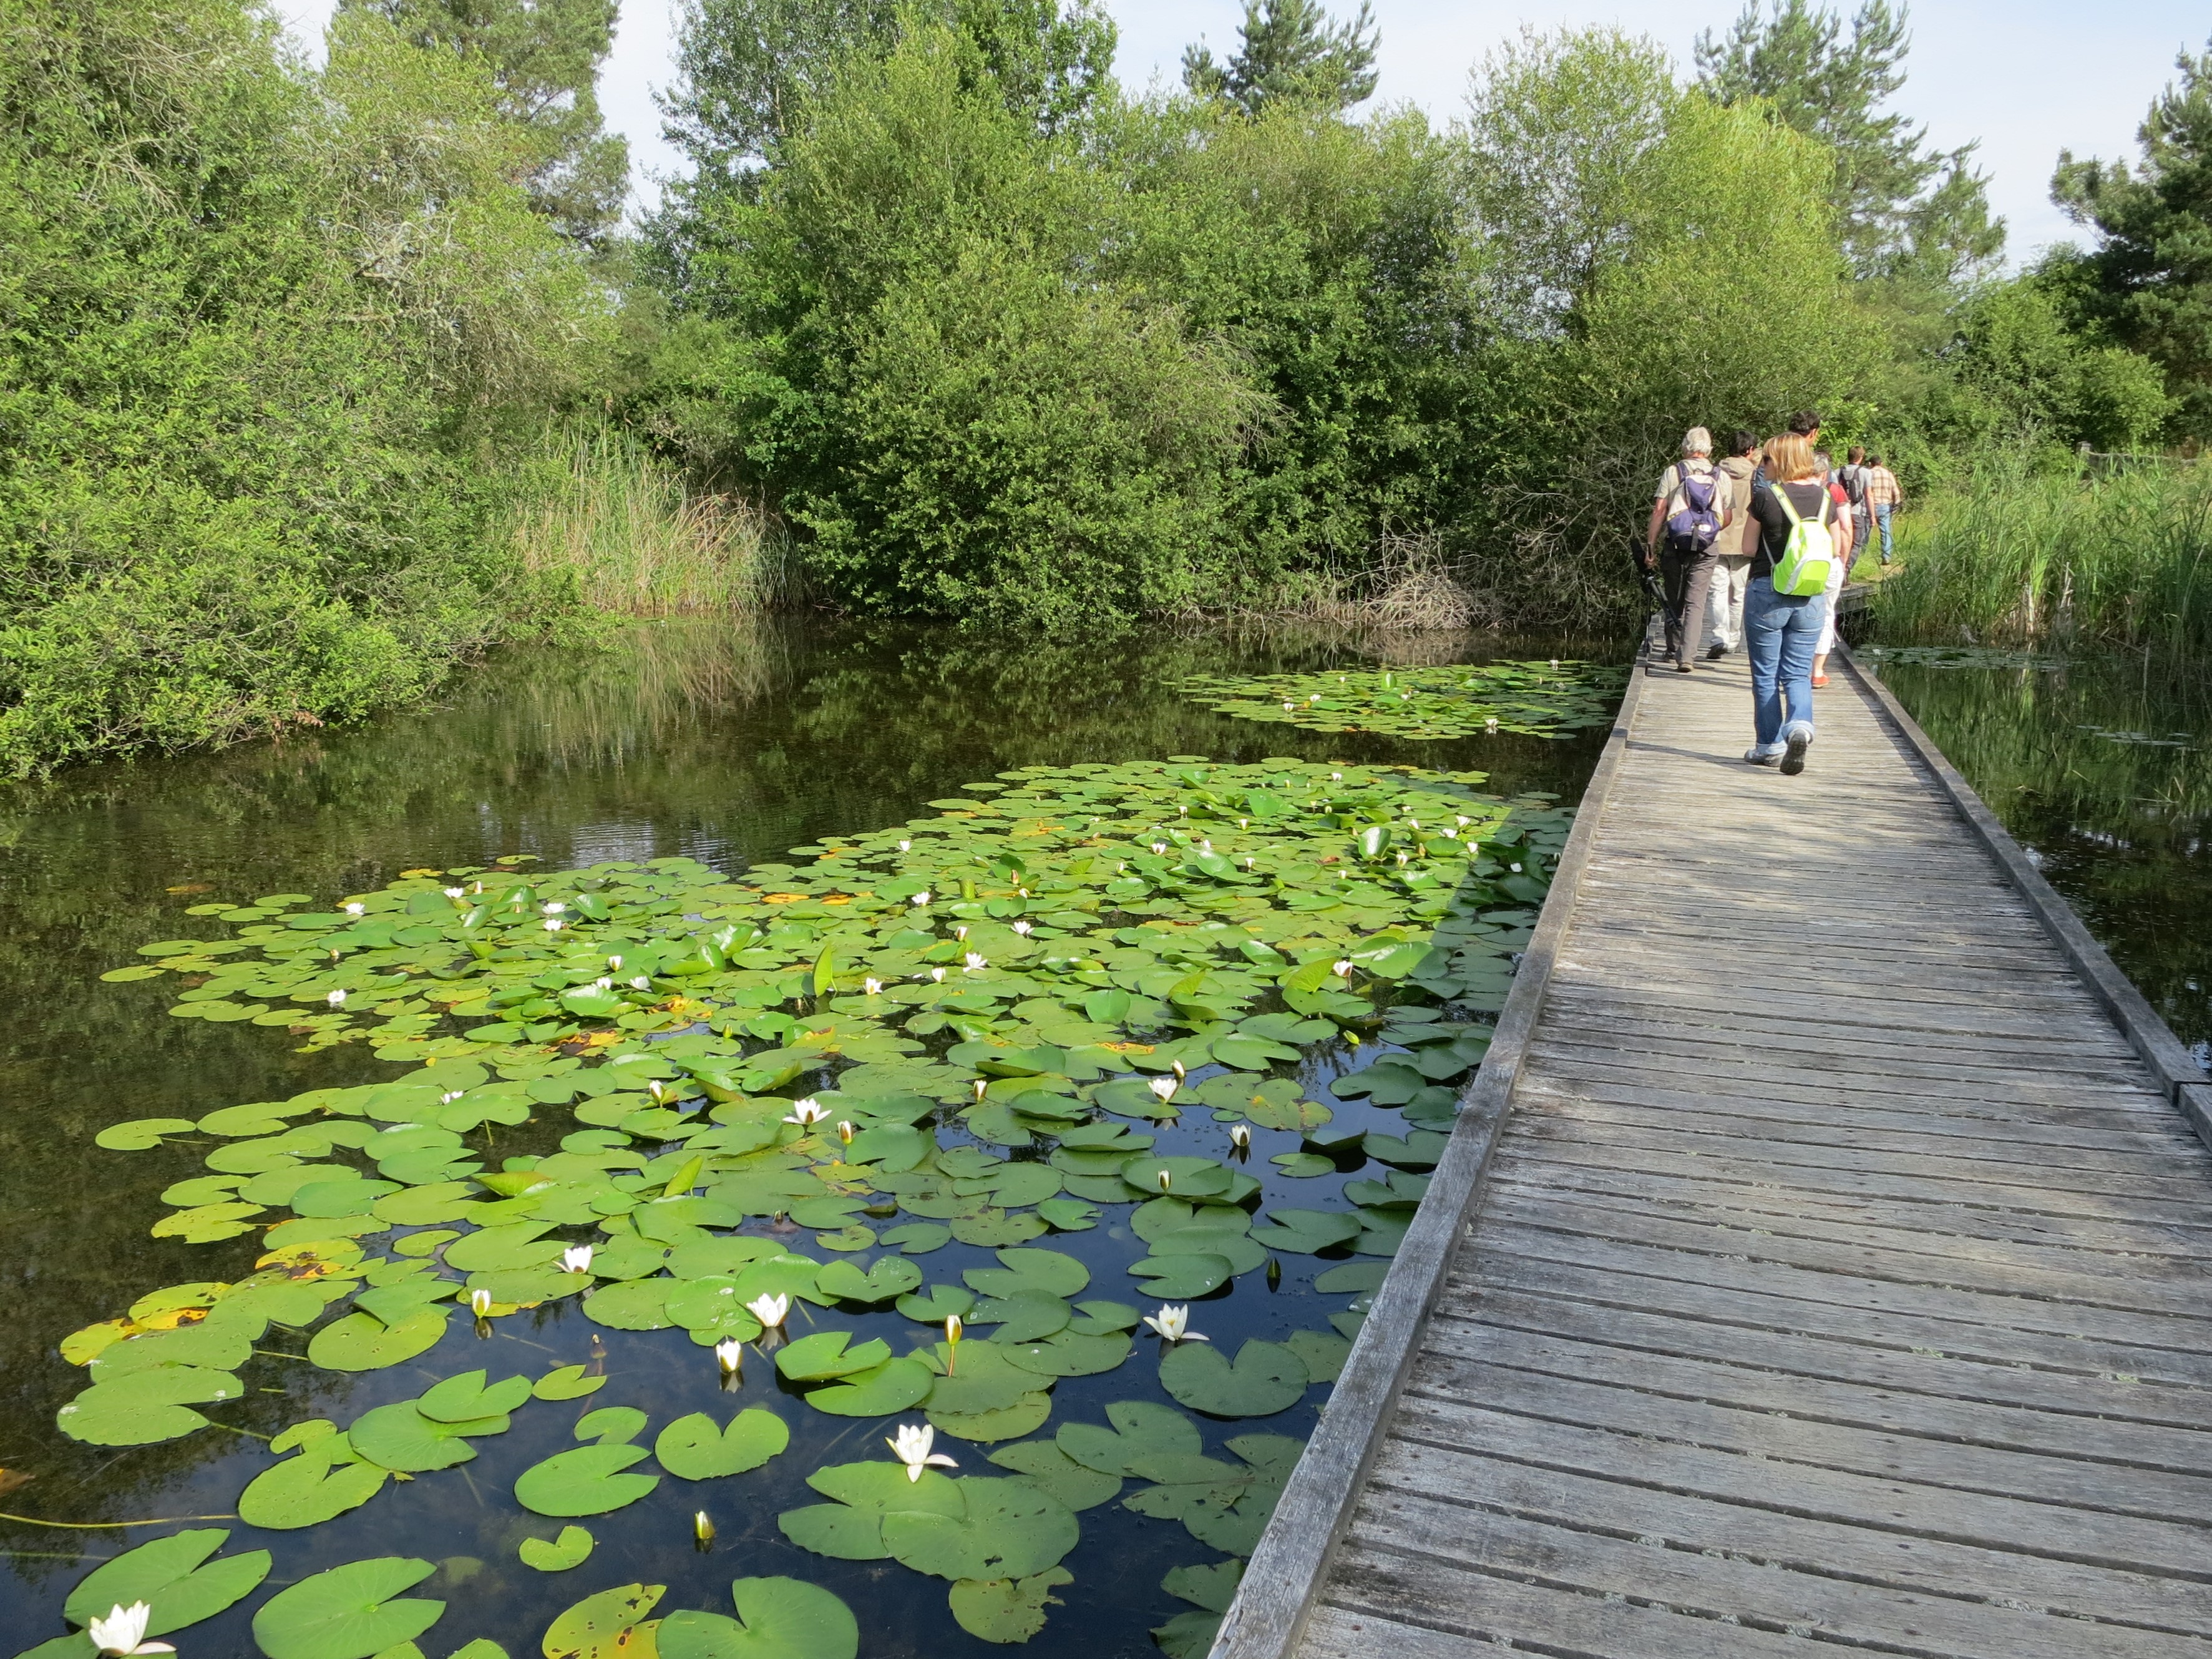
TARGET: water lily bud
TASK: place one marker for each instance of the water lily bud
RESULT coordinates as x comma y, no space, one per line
335,999
961,933
1243,823
730,1357
479,888
702,1530
981,1085
1166,1181
639,982
655,1088
480,1303
1341,969
906,846
936,975
844,1130
1176,1066
1240,1135
615,963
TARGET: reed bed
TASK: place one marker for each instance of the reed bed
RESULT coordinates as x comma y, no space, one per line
636,541
2015,556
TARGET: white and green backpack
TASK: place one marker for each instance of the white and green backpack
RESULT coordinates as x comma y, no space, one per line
1810,553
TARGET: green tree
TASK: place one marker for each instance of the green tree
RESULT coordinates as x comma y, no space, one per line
747,67
1898,201
544,57
2152,266
1291,50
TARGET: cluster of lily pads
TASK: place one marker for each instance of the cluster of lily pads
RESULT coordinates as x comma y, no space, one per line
634,1084
1553,698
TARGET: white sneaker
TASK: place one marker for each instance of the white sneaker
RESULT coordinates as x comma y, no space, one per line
1765,757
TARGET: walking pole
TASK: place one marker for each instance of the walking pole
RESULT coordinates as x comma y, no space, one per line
1648,579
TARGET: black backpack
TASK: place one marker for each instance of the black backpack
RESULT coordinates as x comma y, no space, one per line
1694,527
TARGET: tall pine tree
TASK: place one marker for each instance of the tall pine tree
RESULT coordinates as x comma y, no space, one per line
1289,50
1902,206
544,57
2150,276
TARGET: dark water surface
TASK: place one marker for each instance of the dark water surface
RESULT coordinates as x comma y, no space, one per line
2101,767
730,748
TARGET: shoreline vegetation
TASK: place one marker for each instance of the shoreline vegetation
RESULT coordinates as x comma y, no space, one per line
322,380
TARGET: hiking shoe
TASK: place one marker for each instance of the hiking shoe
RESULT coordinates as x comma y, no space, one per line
1681,667
1764,757
1714,653
1798,739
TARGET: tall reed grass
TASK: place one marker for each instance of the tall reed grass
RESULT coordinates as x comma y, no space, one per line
2016,556
622,525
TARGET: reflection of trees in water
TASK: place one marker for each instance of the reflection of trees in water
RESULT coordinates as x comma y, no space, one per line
2104,769
729,743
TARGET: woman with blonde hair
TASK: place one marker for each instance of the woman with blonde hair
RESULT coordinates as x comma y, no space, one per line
1780,628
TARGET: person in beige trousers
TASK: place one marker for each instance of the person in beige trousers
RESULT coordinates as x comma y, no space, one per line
1737,543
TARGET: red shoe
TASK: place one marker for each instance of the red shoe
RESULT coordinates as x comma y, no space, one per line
1819,682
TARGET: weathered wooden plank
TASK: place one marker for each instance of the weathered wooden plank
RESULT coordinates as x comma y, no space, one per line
1457,1549
1571,1060
2153,1284
2090,1447
1579,1006
1676,1512
2062,1394
1712,1296
1747,1456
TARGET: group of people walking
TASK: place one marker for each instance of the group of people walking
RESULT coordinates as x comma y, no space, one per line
1756,546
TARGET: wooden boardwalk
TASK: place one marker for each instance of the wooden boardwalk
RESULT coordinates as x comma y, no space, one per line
1819,1263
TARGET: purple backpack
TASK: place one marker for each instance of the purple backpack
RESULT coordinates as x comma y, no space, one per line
1692,528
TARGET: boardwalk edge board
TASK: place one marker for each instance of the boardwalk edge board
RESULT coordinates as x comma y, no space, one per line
2177,1073
1277,1596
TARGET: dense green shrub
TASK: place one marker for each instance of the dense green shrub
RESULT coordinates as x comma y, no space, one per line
256,323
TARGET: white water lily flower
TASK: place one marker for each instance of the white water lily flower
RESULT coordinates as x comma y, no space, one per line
450,1096
335,999
603,982
1288,705
615,963
124,1631
1461,820
973,960
1403,857
911,1447
577,1259
771,1310
1240,1136
1163,1087
554,907
639,982
1555,665
1491,724
1206,844
730,1355
553,925
1173,1323
457,893
921,898
480,1303
479,888
906,846
356,910
1336,777
657,1088
1023,928
1451,833
937,976
1516,868
807,1113
961,932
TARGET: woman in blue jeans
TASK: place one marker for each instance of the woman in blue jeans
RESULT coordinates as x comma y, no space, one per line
1779,632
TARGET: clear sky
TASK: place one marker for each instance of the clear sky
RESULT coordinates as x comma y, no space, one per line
2026,78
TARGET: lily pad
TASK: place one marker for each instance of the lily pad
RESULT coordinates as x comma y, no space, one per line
570,1549
887,1277
1266,1378
891,1387
692,1448
362,1342
605,1626
1048,1270
399,1438
1181,1277
1006,1610
1007,1529
777,1618
1073,1485
569,1382
1306,1232
174,1577
348,1613
466,1398
631,1305
825,1355
1141,1430
323,1482
588,1480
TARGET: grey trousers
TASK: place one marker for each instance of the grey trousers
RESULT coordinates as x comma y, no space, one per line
1687,578
1731,576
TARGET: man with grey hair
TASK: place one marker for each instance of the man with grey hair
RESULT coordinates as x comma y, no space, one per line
1692,507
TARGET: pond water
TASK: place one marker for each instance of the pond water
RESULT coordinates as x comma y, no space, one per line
2098,765
726,747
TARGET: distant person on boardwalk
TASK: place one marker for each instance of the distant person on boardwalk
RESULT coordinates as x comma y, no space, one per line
1688,515
1787,602
1838,568
1733,551
1883,498
1853,477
